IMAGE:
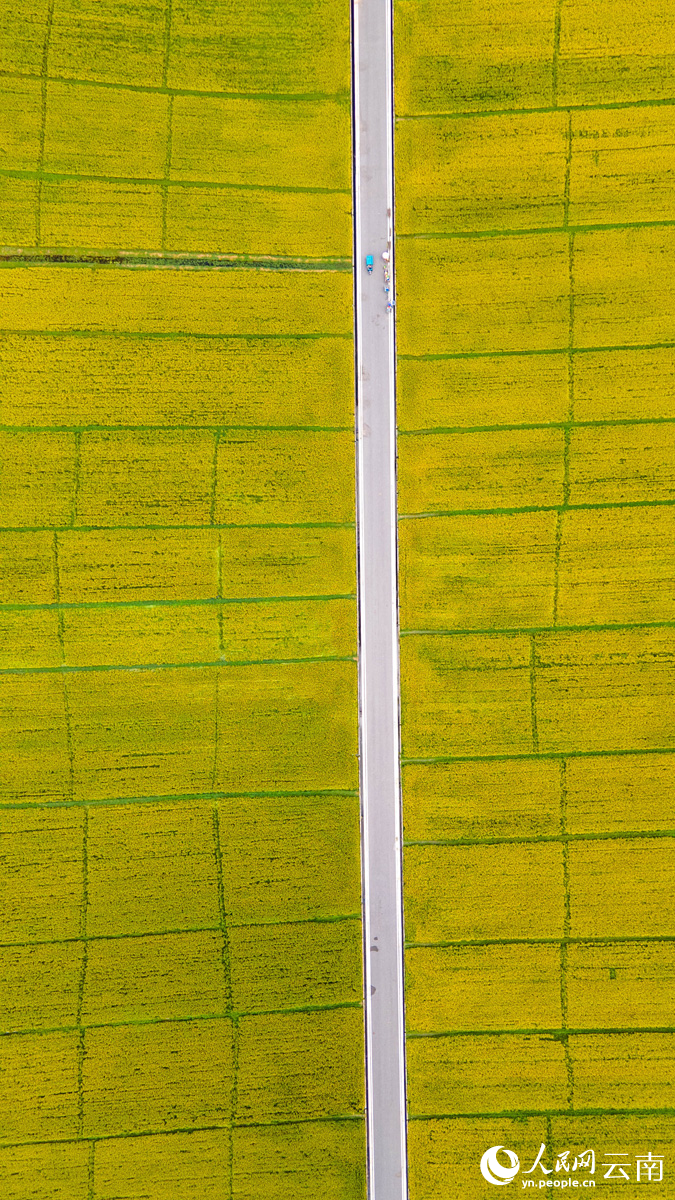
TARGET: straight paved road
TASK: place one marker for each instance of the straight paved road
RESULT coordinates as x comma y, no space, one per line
378,607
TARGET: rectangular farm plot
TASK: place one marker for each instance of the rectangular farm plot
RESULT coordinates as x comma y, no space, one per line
299,1161
451,988
623,1070
627,793
227,220
176,975
466,893
459,392
126,565
315,628
139,478
466,694
99,214
620,888
161,741
40,1103
268,143
617,464
133,636
27,567
511,468
616,566
182,380
43,879
186,1166
105,131
622,166
237,301
306,864
169,1076
611,54
497,172
449,1149
284,476
623,286
20,109
111,43
22,34
310,963
297,49
299,1065
620,984
35,763
40,986
287,728
483,294
490,56
476,570
44,1167
620,385
503,798
29,639
604,691
18,211
491,1073
151,868
39,477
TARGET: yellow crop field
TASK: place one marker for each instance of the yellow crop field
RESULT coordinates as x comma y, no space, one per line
286,223
269,476
108,380
501,293
261,142
299,1065
610,53
296,1162
459,800
467,893
460,174
466,694
470,571
534,162
294,48
165,302
486,987
178,684
460,392
488,55
466,470
306,863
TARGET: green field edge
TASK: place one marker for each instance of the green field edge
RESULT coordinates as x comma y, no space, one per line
514,631
209,601
163,261
88,1139
557,1034
204,526
155,933
572,228
542,838
514,510
340,97
565,940
533,756
506,427
607,106
521,1113
230,1015
181,797
62,669
564,351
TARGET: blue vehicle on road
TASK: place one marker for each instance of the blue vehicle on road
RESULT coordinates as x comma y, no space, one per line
369,263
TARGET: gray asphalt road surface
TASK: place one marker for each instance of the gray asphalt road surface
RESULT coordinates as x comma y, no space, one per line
378,607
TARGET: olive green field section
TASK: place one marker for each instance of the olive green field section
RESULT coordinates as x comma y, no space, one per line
159,127
182,998
535,467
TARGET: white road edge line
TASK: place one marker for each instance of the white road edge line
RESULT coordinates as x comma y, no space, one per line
379,703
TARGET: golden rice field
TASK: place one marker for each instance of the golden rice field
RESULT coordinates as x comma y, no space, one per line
535,409
178,754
